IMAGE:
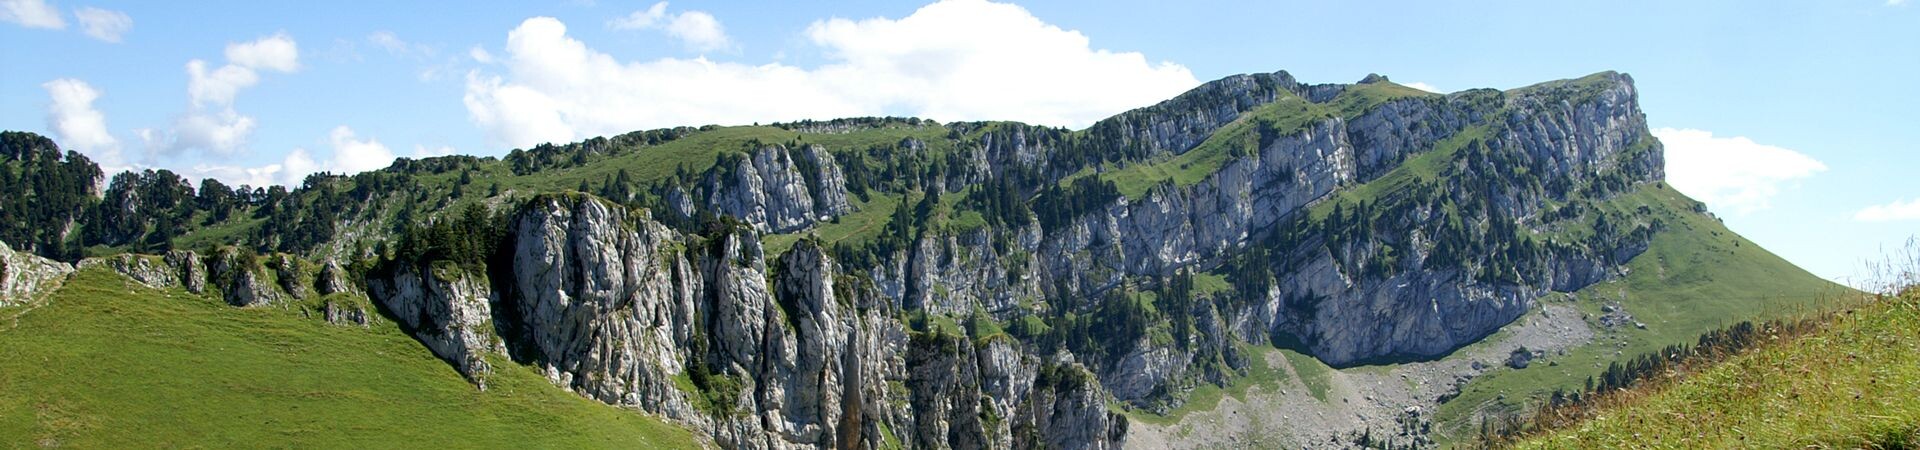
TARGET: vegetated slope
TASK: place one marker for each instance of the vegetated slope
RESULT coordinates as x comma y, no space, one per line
1696,276
989,284
109,363
1853,383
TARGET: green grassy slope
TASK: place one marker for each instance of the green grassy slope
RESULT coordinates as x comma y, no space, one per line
112,364
1853,384
1697,276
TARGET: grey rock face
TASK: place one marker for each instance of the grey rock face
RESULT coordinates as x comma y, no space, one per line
333,279
447,309
345,314
292,280
602,303
25,277
144,269
1067,411
193,273
945,406
952,273
612,308
778,190
242,282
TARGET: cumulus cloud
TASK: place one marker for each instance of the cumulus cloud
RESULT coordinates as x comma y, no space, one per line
221,132
103,24
277,52
350,154
219,86
1425,87
1891,212
953,60
422,151
211,123
31,14
1731,172
270,174
480,55
354,155
80,127
698,30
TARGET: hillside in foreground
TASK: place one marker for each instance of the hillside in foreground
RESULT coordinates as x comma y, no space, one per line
1852,383
110,363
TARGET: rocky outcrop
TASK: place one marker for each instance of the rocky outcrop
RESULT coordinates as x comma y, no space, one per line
952,273
152,271
776,189
333,280
1067,410
192,273
25,277
241,279
344,313
236,275
293,279
602,301
447,308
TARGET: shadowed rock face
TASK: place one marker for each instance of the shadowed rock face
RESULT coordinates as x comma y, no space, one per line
800,351
447,309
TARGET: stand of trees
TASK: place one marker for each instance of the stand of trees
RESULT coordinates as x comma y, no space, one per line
46,194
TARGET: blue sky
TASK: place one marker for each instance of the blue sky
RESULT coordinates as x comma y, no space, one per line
1793,120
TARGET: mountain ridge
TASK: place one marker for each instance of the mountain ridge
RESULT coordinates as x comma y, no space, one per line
1040,274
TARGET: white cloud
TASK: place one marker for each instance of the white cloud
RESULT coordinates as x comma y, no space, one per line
1896,2
31,14
480,55
698,30
352,155
393,44
953,60
642,19
277,52
81,127
261,176
211,123
422,151
1891,212
1731,172
103,24
1425,87
218,87
388,40
222,132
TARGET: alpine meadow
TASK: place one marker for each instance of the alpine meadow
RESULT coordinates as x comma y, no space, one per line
1257,261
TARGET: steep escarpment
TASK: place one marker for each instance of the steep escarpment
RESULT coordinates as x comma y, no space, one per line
898,282
791,353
